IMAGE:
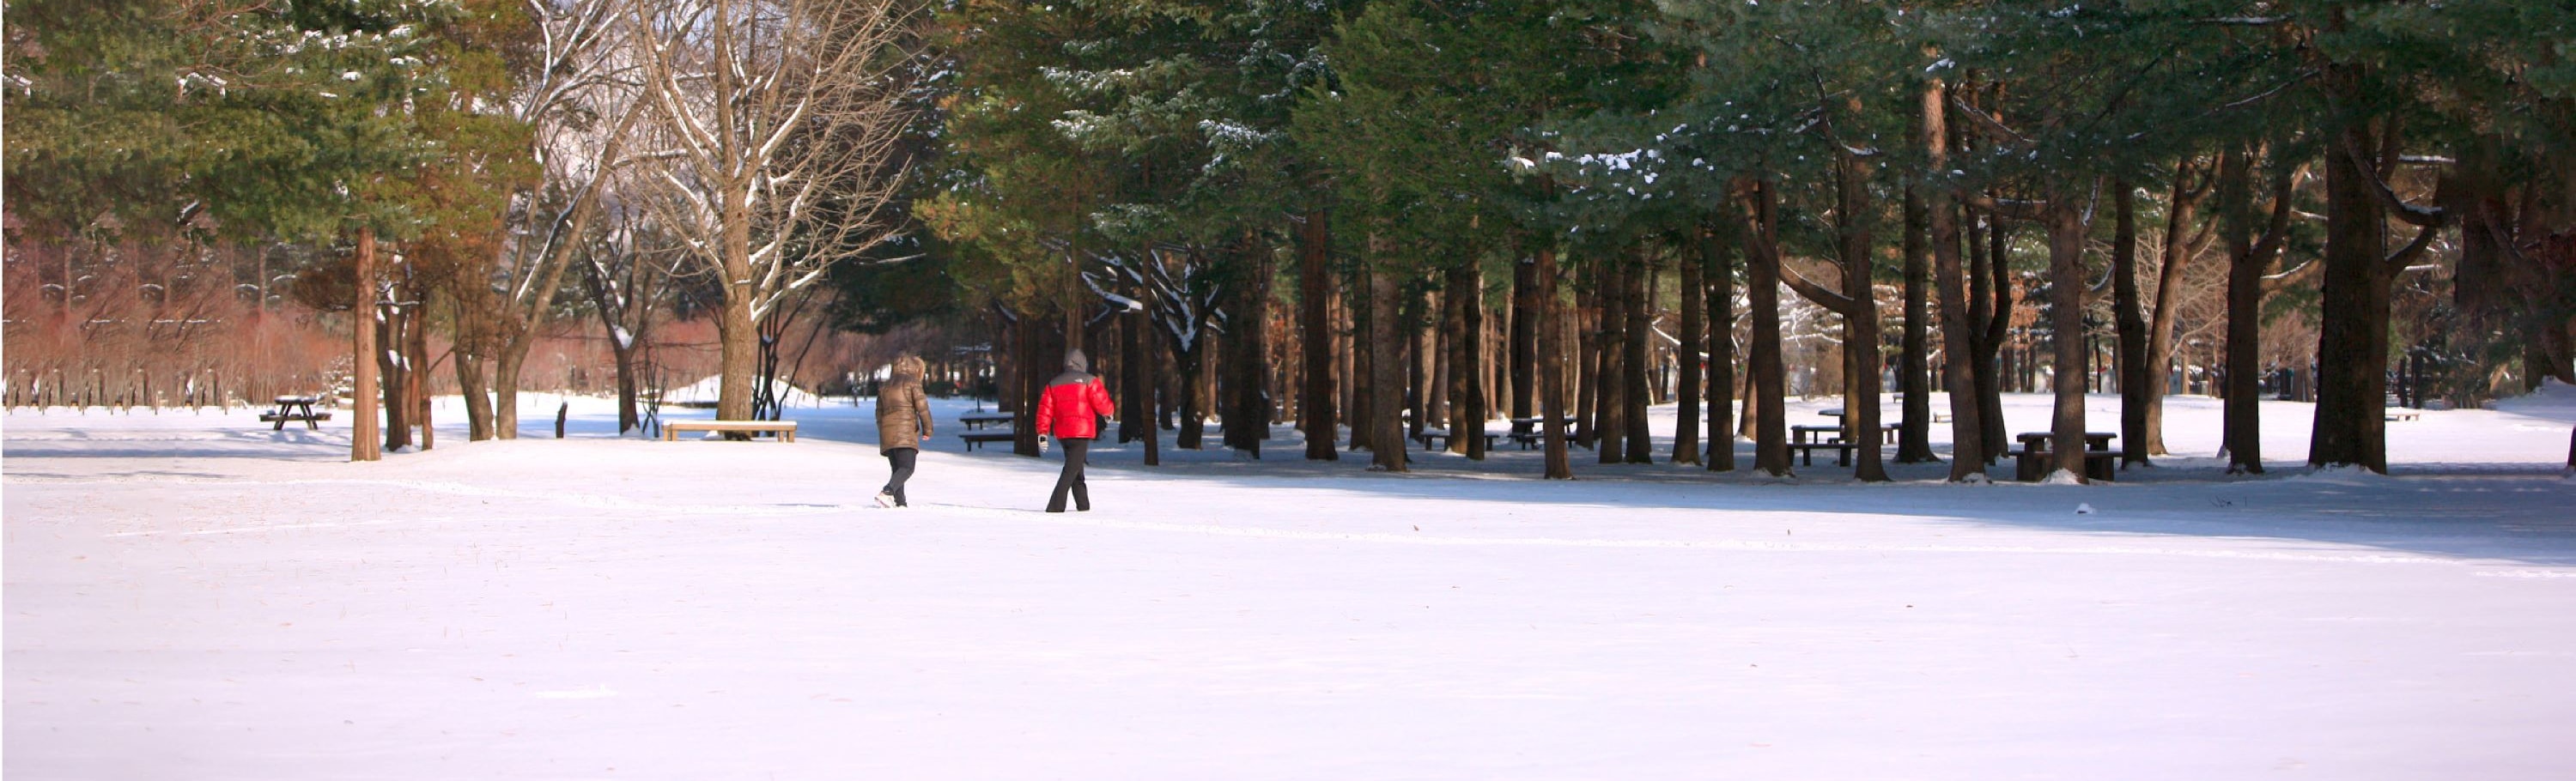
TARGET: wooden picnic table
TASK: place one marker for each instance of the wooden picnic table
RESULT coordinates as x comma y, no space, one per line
294,408
2031,460
1887,431
976,420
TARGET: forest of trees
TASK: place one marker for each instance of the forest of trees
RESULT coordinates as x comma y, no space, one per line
1351,217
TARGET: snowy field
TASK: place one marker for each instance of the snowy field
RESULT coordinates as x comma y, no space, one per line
195,596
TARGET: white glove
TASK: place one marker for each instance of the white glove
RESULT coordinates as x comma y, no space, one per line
1042,445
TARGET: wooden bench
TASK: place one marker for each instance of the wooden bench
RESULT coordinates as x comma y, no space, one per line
785,429
1807,451
2402,414
975,438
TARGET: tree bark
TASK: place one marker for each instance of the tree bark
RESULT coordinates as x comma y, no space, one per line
1762,254
416,348
2066,229
1721,349
1386,385
2352,340
363,426
1587,383
2130,328
1362,353
2242,430
1995,308
1640,386
1686,409
1148,386
1468,407
1525,324
1550,365
391,340
1248,422
477,396
1861,384
1914,366
1315,291
1189,357
1610,399
2178,253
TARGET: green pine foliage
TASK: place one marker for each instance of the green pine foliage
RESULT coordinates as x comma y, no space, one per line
275,120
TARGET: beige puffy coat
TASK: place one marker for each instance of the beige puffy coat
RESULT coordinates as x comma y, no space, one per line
903,413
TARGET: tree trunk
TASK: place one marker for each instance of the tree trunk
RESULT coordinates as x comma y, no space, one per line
1610,401
416,352
1147,389
505,397
2352,340
1721,350
1479,401
477,396
1470,408
1640,382
1248,423
1437,338
1386,383
1587,382
1914,366
2130,355
2160,329
2066,228
1550,365
1315,292
1762,254
2242,436
1686,410
391,339
1362,351
1525,324
1861,383
1416,332
363,429
1996,304
1189,356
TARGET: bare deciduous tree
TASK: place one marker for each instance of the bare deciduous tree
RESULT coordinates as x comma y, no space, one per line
781,119
578,103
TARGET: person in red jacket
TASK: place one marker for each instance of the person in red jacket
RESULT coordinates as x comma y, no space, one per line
1070,411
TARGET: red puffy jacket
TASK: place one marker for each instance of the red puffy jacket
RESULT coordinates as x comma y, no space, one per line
1071,410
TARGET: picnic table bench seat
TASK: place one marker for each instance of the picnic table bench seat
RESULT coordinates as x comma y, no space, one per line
784,429
1806,451
2029,466
1431,438
976,438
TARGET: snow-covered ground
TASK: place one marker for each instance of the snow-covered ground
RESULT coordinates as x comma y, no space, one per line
195,596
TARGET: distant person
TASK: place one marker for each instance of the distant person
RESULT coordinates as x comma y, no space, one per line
1070,411
903,418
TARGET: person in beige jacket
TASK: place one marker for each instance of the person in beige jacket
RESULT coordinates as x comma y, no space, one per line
903,418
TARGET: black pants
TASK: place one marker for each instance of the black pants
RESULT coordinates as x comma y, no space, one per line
901,459
1075,452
